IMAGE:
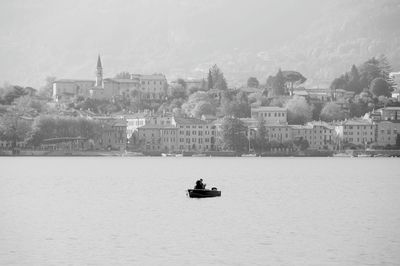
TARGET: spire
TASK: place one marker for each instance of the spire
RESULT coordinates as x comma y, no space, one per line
99,62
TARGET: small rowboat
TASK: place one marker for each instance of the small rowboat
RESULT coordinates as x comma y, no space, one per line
204,193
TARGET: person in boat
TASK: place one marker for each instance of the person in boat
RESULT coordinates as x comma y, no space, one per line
199,184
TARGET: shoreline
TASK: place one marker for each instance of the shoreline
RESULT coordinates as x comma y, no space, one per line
349,154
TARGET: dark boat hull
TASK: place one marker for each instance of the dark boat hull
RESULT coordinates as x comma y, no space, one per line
203,193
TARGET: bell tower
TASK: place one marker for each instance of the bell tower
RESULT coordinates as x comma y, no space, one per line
99,73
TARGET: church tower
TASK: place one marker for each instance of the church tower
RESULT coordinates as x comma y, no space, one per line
99,73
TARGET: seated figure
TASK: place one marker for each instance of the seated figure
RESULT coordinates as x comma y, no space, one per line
199,184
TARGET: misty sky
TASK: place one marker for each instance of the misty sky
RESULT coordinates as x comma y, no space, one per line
40,38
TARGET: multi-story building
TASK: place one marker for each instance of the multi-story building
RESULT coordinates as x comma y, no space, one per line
152,86
270,114
140,119
356,131
387,133
280,133
150,137
113,134
323,136
195,134
66,89
302,132
182,134
143,86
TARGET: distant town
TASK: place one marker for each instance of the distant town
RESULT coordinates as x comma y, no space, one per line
140,114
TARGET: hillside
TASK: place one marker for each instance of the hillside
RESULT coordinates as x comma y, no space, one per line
184,38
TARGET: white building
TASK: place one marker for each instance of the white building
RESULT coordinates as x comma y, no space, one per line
270,114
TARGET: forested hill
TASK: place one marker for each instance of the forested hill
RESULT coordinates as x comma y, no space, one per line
320,39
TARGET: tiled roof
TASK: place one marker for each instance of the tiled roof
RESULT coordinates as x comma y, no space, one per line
153,126
121,80
73,80
268,109
356,122
189,121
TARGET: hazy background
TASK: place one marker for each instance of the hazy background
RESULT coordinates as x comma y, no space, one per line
321,39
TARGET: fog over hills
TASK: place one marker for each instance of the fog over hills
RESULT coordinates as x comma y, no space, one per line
321,39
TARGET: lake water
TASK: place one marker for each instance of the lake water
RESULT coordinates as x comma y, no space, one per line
134,211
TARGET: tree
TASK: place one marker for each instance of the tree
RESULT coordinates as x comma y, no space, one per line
354,81
14,93
178,92
299,111
301,144
182,82
332,111
292,78
210,80
261,137
252,82
216,79
123,75
233,134
278,84
46,127
380,87
47,89
203,108
195,103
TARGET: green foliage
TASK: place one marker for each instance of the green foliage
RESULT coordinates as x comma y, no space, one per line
252,82
14,128
216,79
47,90
260,142
178,92
235,105
182,83
199,103
233,135
301,144
13,93
361,78
299,111
332,111
46,127
379,87
257,99
278,84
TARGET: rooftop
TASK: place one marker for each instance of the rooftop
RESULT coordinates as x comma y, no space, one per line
73,80
153,126
121,80
189,121
356,122
269,109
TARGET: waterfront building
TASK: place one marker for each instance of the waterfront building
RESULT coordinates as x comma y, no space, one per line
270,114
280,133
356,131
195,134
137,120
302,132
177,135
323,136
387,133
149,137
112,135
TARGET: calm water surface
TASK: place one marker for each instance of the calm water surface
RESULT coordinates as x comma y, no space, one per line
134,211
